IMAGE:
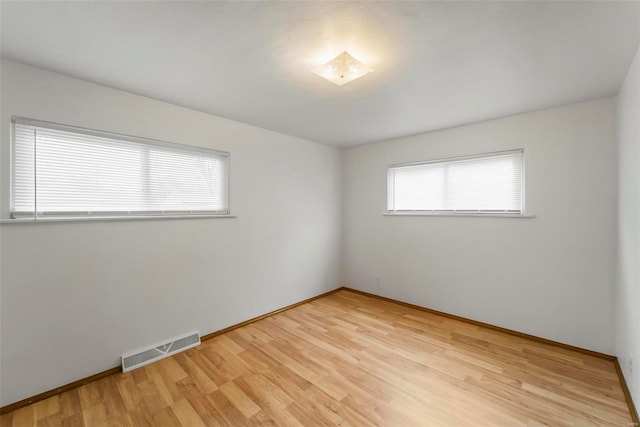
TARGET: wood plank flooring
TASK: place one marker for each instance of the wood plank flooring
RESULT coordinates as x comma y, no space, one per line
349,359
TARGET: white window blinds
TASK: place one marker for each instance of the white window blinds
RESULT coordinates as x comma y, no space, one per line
488,183
62,171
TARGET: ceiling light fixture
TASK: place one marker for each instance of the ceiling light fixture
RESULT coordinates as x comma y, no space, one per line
342,69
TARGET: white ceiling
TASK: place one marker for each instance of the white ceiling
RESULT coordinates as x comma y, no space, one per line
438,64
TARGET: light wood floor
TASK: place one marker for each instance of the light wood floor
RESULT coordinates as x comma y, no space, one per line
348,359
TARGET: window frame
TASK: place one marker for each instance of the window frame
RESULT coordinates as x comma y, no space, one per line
457,212
115,215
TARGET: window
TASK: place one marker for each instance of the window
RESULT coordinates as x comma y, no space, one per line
64,171
485,183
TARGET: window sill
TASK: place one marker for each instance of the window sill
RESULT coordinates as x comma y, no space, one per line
109,218
468,215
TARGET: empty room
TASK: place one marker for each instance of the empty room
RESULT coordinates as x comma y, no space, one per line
306,213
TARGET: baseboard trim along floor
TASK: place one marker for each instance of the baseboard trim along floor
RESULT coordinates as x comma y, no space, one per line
118,369
633,412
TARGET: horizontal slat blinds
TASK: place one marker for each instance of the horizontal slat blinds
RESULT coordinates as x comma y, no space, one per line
491,183
69,172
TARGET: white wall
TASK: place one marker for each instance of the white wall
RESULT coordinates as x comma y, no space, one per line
122,284
628,289
550,276
77,295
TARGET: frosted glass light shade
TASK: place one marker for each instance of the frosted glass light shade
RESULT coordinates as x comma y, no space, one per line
342,69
